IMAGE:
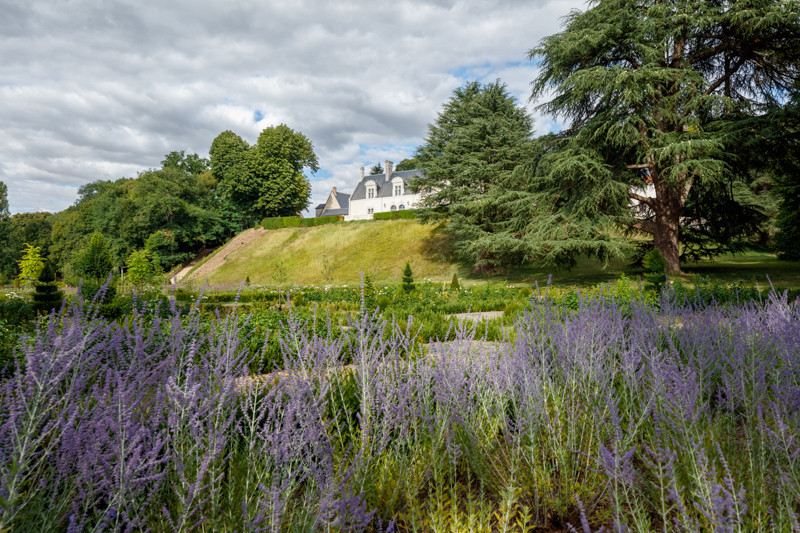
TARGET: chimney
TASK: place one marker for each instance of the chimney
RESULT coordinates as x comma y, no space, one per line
334,190
387,167
362,172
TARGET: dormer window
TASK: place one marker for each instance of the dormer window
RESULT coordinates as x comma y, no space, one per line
371,192
398,190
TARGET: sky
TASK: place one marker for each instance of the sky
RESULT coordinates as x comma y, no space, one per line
103,89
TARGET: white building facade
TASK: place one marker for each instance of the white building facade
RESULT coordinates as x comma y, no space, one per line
381,193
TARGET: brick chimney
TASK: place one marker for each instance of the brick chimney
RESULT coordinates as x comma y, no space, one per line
387,167
334,190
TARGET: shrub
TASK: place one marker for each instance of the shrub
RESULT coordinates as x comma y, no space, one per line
395,215
298,222
454,286
47,295
654,262
408,279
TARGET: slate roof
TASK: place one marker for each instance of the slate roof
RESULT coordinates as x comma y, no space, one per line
384,187
333,212
343,199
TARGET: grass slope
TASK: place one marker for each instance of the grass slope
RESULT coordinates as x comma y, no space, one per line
337,253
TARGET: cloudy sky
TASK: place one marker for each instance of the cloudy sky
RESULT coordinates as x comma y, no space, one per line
102,89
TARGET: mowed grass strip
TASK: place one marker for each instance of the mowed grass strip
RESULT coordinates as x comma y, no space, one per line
337,254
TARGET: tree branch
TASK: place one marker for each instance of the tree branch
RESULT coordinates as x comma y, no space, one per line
640,165
642,199
728,74
647,226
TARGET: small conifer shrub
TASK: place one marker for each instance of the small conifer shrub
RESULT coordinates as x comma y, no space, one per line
408,279
454,284
47,295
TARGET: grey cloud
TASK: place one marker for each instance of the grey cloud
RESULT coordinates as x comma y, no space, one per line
98,90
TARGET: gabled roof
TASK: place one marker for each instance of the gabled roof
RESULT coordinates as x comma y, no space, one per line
343,199
384,186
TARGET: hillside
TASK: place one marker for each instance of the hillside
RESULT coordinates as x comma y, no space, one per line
336,253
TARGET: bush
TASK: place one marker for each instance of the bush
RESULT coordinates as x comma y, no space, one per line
395,215
454,286
298,222
654,262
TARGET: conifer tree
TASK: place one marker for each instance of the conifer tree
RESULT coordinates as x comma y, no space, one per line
408,279
47,295
652,90
454,284
472,158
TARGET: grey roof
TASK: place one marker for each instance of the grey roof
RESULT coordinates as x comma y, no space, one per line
344,200
333,212
384,185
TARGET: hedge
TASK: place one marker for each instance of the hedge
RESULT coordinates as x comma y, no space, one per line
394,215
298,222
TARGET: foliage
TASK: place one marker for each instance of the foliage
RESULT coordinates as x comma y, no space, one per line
472,158
182,210
188,164
654,262
771,144
652,90
142,267
454,286
93,262
298,222
266,179
31,264
408,164
21,228
395,215
598,414
408,279
47,296
7,264
375,169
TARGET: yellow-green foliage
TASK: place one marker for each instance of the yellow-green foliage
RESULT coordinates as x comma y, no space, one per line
337,254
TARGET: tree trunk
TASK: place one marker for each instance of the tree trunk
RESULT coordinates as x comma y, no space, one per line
666,237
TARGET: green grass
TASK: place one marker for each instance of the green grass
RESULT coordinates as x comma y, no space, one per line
336,254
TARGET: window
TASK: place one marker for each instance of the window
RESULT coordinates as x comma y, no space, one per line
401,207
370,193
398,190
394,208
370,211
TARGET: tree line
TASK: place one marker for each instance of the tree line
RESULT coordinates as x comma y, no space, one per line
683,135
165,216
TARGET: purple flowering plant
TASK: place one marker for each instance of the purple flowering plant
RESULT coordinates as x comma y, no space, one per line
605,412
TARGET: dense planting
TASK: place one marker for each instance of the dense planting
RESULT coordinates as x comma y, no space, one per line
609,410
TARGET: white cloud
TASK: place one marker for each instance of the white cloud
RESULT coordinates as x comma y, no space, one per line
94,90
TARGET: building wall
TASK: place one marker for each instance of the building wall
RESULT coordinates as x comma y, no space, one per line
359,209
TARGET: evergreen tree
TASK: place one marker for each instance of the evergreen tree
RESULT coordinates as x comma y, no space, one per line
408,279
652,89
472,158
454,283
47,295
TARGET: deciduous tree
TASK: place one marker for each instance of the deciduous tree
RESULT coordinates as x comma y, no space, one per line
266,179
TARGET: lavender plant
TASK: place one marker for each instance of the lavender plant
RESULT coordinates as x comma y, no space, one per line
614,412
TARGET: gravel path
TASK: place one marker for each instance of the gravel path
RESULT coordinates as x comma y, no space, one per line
477,317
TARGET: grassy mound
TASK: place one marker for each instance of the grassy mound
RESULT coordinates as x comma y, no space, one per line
337,253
